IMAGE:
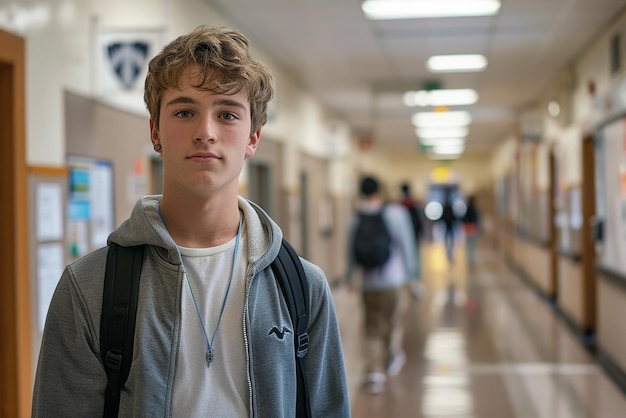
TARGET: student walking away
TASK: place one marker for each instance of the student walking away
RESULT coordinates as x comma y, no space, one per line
381,253
413,208
416,220
448,217
470,223
213,336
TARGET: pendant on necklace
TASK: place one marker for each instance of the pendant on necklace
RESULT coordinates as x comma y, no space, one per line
209,358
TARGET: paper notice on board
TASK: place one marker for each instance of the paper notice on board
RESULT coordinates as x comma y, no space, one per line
50,265
49,209
101,199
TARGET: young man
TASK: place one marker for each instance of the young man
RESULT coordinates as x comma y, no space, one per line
470,222
449,218
414,209
206,339
383,287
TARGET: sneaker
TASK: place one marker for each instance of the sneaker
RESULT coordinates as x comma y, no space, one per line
375,383
396,364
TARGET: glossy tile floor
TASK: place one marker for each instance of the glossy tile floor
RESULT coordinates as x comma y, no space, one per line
481,344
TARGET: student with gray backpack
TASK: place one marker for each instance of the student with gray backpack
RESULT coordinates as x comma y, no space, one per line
381,255
213,332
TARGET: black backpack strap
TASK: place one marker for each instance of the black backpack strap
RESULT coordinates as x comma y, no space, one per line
117,321
292,280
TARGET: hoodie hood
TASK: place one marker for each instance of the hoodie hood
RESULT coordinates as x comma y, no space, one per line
145,227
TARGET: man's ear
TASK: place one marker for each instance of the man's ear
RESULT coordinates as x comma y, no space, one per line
253,143
154,133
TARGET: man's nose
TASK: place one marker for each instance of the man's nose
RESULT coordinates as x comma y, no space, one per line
205,129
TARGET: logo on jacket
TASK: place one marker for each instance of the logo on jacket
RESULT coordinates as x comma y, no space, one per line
127,60
280,334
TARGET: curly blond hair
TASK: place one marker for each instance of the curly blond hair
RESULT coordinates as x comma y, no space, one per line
225,67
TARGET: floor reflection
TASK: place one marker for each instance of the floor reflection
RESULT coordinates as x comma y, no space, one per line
481,344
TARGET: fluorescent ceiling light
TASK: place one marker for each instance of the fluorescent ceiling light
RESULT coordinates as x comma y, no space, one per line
441,119
444,149
415,9
456,63
443,141
443,97
433,133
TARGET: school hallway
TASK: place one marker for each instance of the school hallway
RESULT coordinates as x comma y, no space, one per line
480,343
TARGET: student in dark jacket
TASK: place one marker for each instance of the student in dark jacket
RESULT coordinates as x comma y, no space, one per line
414,209
448,217
470,223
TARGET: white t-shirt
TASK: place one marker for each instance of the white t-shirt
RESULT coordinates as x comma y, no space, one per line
220,390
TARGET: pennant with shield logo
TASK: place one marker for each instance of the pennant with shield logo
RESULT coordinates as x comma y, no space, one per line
122,61
127,60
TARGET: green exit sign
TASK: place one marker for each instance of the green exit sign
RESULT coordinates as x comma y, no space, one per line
431,85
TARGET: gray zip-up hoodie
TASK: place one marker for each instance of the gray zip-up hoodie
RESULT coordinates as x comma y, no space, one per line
70,379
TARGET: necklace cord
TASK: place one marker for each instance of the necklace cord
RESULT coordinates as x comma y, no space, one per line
193,297
230,280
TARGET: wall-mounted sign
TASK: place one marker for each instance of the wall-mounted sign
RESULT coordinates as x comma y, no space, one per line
122,58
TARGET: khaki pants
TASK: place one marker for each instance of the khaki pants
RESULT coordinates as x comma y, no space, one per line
384,326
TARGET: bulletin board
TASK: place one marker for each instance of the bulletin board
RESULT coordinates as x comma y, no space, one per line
47,194
90,204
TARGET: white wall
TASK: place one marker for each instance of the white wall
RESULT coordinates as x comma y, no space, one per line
59,38
593,66
590,68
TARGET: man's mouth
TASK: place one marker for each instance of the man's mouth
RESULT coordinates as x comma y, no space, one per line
203,156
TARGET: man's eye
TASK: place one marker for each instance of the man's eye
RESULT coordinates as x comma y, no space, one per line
228,116
183,114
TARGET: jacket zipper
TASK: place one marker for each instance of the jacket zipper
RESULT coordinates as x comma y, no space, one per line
245,339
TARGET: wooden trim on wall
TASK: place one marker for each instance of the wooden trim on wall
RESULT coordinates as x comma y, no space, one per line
572,256
588,253
553,292
45,171
538,242
15,325
612,276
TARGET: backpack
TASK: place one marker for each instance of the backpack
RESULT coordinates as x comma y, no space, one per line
119,311
372,240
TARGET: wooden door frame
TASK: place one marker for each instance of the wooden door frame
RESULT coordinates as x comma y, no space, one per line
553,291
588,253
15,317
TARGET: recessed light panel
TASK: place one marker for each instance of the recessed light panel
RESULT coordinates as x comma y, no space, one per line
442,141
416,9
440,97
441,119
456,63
435,133
448,149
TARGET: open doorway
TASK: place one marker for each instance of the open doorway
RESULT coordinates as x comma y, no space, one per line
260,185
